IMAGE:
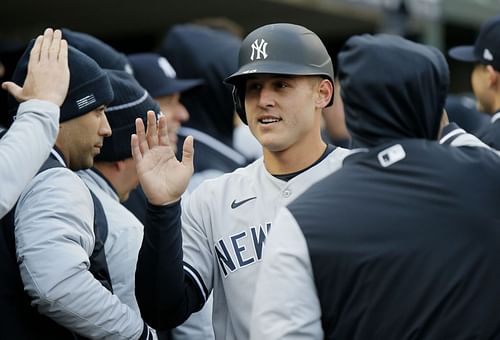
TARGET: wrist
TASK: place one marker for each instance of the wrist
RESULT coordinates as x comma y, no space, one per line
163,201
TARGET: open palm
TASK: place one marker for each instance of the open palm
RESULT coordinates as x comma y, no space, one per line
48,75
163,178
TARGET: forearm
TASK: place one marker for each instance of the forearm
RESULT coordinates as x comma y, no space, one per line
25,147
166,296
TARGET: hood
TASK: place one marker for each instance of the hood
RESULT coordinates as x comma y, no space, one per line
391,88
200,52
10,53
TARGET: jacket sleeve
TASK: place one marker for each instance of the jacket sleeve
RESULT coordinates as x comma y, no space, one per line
54,239
286,304
25,147
165,294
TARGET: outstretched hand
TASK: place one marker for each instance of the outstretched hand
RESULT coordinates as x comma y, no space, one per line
163,178
48,71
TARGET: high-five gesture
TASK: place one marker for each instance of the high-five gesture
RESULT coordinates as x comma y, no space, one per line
48,71
163,178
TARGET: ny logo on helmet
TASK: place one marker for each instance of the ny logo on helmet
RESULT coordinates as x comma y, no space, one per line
259,49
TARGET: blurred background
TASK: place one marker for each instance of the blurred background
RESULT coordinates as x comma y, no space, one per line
138,25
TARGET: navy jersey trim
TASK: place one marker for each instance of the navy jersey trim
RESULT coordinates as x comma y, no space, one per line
450,132
196,277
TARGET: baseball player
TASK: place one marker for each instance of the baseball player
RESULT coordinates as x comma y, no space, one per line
485,76
402,242
283,82
56,286
28,141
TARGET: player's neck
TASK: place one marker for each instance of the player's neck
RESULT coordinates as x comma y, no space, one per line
293,159
496,105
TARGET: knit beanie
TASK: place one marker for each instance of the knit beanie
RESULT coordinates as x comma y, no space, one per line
104,55
89,85
131,101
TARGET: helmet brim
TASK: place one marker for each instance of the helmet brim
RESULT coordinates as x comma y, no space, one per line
274,67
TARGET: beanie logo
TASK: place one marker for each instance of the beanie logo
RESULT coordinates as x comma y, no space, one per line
259,49
85,101
487,54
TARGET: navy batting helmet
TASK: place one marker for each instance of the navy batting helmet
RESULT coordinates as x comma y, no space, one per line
279,49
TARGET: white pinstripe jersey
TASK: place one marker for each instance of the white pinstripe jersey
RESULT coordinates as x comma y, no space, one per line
225,224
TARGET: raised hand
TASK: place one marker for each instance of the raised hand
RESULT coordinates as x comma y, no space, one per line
163,178
48,71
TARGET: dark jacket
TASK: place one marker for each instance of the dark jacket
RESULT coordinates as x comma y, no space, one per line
404,239
490,133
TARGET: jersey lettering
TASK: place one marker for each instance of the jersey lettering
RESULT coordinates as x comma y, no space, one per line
225,260
242,249
258,237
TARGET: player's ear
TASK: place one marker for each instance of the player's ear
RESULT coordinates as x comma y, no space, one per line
493,75
325,93
119,165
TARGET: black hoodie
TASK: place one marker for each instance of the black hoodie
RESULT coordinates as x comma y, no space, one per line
404,239
384,101
201,52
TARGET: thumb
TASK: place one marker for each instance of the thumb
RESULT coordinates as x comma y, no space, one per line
188,152
14,90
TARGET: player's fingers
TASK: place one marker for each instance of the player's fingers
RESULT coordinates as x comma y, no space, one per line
14,90
162,131
55,45
63,52
136,151
35,50
152,130
46,42
188,152
141,136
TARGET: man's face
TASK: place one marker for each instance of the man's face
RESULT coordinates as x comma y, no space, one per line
81,139
176,114
481,89
281,110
